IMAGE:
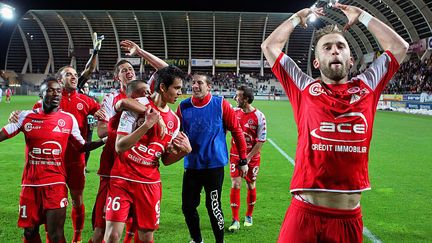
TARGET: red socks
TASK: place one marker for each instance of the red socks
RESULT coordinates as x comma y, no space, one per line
251,199
78,216
235,203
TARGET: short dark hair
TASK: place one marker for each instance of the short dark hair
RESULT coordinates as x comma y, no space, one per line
167,75
132,86
247,93
117,65
209,79
58,74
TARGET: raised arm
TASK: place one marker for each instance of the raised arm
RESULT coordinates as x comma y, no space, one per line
133,49
386,36
275,42
91,63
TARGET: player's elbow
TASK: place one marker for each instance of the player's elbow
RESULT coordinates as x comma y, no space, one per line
120,147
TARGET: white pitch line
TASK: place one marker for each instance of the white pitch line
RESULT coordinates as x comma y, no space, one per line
282,152
370,235
366,232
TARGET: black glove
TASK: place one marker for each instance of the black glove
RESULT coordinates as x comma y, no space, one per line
242,162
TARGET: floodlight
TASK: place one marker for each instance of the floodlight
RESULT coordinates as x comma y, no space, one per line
6,11
312,17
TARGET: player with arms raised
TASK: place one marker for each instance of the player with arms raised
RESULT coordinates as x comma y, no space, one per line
334,117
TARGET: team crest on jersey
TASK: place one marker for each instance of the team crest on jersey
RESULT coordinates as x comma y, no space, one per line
250,121
170,125
316,89
353,90
61,123
28,127
80,106
64,202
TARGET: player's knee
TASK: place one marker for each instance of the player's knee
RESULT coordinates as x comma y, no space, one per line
30,233
98,235
113,236
56,234
146,235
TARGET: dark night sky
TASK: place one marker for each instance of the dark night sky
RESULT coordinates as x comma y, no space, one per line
22,6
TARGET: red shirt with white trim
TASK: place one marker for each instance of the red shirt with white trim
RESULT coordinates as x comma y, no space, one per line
254,129
47,136
334,124
141,162
112,117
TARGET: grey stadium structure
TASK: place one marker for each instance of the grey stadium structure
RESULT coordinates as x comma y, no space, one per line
45,40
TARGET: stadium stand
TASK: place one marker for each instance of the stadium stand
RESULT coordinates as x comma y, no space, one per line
224,44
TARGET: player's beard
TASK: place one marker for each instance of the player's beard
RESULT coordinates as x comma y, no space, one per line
335,74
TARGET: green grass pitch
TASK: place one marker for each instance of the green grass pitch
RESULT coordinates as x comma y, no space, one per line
398,209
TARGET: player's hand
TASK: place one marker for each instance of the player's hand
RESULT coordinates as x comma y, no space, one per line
14,116
100,115
244,170
305,13
182,143
243,167
152,116
162,127
130,47
97,41
351,12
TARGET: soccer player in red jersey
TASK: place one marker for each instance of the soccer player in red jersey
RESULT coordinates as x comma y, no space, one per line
253,124
48,132
135,179
80,106
334,117
112,106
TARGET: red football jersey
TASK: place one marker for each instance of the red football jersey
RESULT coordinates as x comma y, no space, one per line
334,124
80,106
47,136
112,117
141,162
254,129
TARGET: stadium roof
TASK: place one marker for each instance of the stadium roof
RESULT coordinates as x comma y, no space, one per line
45,40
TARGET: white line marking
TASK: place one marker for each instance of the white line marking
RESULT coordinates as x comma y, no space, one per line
370,235
282,152
366,232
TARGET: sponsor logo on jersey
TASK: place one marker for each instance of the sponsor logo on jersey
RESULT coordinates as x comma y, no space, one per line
79,106
349,127
152,150
56,129
316,89
28,127
47,148
61,123
37,121
354,98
